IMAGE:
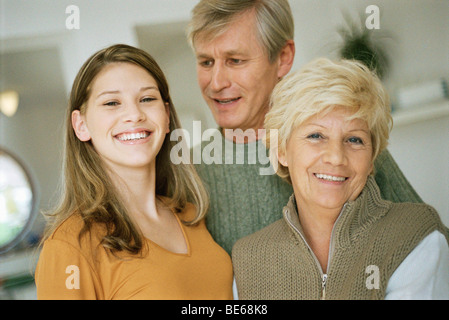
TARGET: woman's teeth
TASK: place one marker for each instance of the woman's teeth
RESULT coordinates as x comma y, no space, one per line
133,136
329,178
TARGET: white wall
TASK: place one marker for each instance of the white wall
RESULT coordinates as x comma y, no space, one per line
419,51
422,152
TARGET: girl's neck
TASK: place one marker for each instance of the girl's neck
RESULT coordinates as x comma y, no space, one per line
137,188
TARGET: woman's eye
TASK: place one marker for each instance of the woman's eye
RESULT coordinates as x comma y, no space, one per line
314,136
355,140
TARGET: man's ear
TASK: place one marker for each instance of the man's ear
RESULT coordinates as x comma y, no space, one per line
79,126
286,58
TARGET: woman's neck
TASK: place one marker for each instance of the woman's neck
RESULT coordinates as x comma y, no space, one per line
317,227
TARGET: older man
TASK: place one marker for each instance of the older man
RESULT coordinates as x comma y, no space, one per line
243,48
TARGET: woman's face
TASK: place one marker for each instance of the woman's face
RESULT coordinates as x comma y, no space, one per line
126,118
329,159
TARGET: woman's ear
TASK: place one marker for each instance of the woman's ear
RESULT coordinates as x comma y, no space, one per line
282,158
79,126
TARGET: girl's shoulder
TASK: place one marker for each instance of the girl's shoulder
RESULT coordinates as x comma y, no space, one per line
186,214
73,231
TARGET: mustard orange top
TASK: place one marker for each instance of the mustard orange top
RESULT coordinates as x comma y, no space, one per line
69,270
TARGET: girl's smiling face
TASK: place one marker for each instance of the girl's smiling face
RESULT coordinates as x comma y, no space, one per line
125,119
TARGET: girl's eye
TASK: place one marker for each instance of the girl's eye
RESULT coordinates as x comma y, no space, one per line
147,99
111,103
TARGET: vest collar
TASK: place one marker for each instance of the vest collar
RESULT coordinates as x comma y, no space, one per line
355,216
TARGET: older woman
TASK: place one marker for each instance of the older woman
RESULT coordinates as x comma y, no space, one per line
338,239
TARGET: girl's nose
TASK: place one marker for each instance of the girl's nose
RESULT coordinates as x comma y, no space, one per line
134,113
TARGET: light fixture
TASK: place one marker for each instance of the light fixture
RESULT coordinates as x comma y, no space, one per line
9,101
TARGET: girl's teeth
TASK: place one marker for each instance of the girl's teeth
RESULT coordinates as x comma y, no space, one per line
133,136
329,178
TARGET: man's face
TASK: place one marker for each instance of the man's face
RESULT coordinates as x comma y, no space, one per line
235,76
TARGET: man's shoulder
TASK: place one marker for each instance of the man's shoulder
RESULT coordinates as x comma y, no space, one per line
269,236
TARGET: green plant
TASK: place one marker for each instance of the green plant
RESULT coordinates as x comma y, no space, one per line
359,43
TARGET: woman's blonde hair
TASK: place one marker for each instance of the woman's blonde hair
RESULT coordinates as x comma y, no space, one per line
88,189
320,86
275,25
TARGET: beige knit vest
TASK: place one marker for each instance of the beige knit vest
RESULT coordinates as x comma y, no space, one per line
370,240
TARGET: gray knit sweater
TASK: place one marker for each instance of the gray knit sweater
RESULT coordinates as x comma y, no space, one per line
276,262
244,201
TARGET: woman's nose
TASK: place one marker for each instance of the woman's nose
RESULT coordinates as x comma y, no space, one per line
335,154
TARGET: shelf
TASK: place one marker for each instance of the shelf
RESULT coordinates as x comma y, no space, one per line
436,110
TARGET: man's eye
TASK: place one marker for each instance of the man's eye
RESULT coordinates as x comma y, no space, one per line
206,63
236,61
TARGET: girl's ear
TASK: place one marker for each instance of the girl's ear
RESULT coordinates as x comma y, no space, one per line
167,110
79,126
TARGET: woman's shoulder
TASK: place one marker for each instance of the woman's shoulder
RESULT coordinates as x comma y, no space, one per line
413,218
414,211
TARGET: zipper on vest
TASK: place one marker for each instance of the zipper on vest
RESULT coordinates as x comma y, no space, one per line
323,286
331,248
323,275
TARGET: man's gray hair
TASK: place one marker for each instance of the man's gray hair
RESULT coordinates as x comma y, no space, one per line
275,26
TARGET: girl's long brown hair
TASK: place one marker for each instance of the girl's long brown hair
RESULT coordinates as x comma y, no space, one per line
88,190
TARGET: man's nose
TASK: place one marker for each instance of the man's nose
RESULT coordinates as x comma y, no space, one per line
220,77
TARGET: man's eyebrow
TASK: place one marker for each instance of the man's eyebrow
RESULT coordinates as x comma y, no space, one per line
202,56
227,54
